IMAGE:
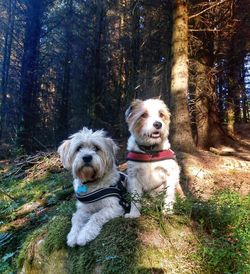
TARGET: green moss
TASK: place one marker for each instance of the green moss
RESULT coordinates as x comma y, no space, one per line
152,257
53,233
113,251
224,231
47,187
57,231
31,239
206,236
116,247
81,260
210,236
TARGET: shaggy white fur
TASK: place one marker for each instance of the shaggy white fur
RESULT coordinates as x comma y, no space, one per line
91,156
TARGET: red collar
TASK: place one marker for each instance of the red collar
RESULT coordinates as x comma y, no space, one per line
153,156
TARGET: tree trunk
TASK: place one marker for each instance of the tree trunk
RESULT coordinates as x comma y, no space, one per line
208,123
235,86
6,62
97,85
122,84
207,120
202,90
181,131
245,105
135,48
232,89
230,116
64,106
29,74
220,83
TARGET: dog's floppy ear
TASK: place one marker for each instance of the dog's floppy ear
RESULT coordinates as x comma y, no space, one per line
130,109
112,145
63,151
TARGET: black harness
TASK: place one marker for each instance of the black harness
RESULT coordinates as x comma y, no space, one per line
118,190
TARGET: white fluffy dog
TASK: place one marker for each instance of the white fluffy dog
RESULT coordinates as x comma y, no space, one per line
91,156
151,163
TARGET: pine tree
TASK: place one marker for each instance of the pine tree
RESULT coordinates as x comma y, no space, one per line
29,73
181,130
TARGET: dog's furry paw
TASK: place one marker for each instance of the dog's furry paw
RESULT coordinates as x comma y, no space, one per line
133,214
82,239
168,210
71,239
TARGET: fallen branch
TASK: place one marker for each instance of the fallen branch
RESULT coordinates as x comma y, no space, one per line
209,8
221,152
25,161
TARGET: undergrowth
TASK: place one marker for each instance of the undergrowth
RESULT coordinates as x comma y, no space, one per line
224,231
113,250
211,236
40,187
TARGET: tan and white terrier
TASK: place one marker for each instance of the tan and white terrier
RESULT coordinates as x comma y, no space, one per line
151,162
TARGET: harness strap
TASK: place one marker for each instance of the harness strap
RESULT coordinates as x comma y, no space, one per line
153,156
118,190
98,195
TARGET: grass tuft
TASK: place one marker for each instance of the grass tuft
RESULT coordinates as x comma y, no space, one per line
224,231
116,247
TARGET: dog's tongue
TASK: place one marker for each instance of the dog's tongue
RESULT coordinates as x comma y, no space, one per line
87,179
87,174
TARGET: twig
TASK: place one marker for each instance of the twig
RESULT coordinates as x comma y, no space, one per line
13,172
213,30
24,161
199,13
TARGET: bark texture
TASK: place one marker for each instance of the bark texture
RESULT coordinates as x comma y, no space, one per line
181,134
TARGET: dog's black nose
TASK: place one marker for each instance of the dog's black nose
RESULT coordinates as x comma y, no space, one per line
157,124
87,158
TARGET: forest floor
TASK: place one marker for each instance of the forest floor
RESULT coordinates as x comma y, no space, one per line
209,232
224,167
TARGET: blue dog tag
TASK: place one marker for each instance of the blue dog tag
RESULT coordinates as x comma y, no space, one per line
82,189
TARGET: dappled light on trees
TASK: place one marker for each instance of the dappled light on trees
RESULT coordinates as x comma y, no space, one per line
65,64
181,128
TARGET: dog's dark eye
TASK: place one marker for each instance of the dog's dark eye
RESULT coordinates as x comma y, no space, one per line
161,114
144,115
78,148
96,148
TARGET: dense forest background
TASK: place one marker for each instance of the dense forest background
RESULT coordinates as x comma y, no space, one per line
65,64
69,63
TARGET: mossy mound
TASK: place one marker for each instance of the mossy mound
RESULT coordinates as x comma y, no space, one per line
203,237
124,246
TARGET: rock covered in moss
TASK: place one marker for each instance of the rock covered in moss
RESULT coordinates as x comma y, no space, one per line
124,246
